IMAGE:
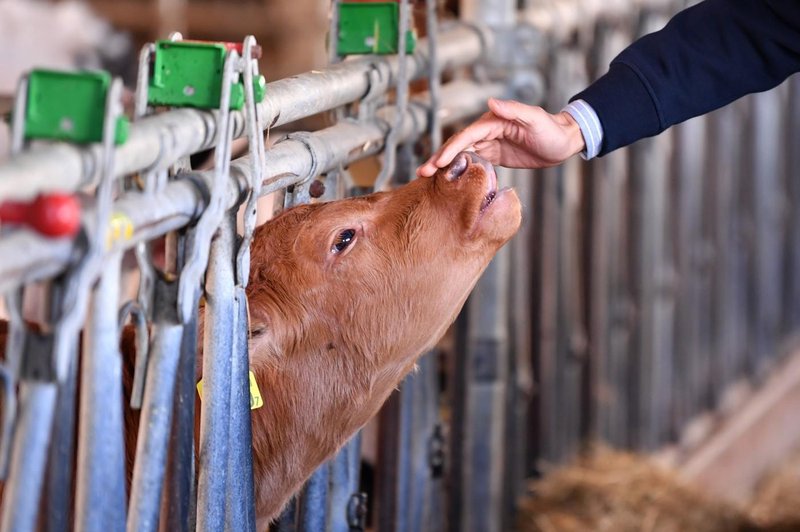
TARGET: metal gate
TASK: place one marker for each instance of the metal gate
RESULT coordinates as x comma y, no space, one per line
641,287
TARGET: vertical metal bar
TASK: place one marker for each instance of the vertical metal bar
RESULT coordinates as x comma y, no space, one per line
240,513
548,297
156,421
769,196
217,334
520,389
345,469
100,503
20,506
217,360
388,463
62,452
725,138
407,427
480,460
181,497
791,148
692,357
312,504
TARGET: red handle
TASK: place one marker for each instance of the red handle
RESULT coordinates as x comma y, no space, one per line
54,215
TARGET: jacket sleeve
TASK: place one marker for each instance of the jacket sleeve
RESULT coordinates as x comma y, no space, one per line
705,57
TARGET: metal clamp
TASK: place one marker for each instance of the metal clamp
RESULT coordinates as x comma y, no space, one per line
135,310
257,161
390,145
198,243
301,191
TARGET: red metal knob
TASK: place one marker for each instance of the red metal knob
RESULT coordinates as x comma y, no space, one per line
54,215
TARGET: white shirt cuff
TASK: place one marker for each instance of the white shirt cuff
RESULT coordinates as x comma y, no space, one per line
590,126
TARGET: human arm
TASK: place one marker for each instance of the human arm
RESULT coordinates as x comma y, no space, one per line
706,56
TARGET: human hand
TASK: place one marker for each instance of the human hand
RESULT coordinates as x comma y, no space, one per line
513,135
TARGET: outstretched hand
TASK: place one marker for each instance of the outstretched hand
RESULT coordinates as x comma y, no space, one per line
513,135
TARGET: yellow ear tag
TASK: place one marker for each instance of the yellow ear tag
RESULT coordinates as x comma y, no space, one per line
256,401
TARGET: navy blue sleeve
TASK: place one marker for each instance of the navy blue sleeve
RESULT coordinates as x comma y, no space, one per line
705,57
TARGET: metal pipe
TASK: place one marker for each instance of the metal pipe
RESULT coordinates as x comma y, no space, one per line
62,453
240,511
28,257
217,349
100,501
345,470
20,506
155,425
312,503
181,496
156,142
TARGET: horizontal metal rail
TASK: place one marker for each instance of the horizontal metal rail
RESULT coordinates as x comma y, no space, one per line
28,257
159,141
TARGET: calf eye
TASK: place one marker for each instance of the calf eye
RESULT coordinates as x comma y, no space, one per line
344,239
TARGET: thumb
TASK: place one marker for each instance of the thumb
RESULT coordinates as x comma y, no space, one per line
511,110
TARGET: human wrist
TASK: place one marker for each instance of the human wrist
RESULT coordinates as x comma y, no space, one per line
575,140
590,127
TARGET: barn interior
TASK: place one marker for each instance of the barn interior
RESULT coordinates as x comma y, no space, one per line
628,361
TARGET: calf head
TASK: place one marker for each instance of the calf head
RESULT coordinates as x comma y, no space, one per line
345,296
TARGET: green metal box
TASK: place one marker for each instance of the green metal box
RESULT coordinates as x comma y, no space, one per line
189,74
371,28
69,106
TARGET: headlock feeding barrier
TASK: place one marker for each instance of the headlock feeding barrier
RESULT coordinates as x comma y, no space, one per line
642,286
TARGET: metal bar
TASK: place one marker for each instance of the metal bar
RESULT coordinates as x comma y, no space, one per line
725,138
769,204
486,373
181,497
100,503
240,512
791,310
345,469
156,423
312,503
217,361
156,142
20,506
401,101
424,485
62,453
28,257
692,357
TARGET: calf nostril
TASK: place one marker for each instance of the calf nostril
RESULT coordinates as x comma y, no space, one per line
457,167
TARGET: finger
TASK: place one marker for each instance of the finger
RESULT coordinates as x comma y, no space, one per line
489,150
513,110
484,129
426,170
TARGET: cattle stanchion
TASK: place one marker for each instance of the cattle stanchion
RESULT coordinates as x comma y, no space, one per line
46,369
240,512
